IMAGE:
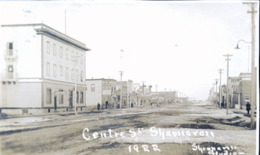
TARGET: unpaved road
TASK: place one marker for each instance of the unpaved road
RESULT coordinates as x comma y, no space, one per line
170,129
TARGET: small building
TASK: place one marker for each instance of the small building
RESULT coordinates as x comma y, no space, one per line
101,91
234,91
245,88
40,68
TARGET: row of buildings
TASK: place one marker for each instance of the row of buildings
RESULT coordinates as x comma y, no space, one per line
239,91
44,71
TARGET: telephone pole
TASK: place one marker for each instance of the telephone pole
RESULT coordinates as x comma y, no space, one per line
227,94
121,84
216,93
253,83
220,91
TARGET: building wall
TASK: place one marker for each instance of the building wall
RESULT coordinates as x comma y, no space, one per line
245,87
63,62
22,95
56,89
93,97
34,60
26,61
27,49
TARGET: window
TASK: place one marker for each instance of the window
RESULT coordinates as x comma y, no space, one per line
247,97
77,97
61,101
48,47
81,59
61,52
72,54
72,74
67,54
10,71
54,70
61,71
81,76
48,69
77,75
81,97
48,97
10,68
92,87
10,49
54,50
67,73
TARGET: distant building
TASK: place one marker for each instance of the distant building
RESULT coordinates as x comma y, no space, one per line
245,88
234,91
39,69
125,96
101,91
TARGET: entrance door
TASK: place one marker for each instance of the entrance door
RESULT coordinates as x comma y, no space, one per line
55,103
71,99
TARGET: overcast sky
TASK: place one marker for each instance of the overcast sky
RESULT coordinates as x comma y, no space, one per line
175,45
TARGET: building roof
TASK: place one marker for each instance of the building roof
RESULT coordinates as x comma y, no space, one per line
46,30
100,79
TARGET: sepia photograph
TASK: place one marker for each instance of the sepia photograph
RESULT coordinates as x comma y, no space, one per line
129,77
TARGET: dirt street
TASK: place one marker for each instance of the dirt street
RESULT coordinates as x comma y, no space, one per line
183,128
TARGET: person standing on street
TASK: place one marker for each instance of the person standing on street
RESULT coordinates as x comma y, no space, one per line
248,108
98,106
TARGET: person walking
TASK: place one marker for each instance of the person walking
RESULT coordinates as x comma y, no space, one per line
248,108
98,106
106,104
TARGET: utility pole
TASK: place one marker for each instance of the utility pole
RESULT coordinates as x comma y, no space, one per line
220,91
121,84
253,83
216,93
227,96
213,93
216,85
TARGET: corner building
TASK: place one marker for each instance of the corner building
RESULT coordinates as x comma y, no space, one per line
40,68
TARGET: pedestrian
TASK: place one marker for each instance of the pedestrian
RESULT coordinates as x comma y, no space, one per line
106,104
98,106
248,107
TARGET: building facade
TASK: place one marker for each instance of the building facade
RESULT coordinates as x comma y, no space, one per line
101,91
234,91
40,69
245,88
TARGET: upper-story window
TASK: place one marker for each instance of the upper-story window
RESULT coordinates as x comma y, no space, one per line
81,59
61,52
54,70
81,76
72,55
54,50
9,49
48,69
92,87
72,74
61,71
77,76
67,73
48,48
67,54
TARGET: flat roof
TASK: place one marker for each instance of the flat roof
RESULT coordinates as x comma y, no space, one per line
49,31
100,79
